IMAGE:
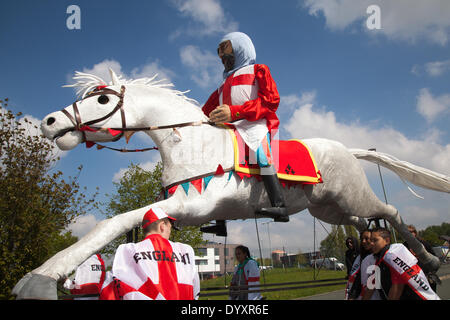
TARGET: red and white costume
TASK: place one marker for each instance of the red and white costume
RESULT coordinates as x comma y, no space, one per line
404,269
253,98
247,275
366,272
153,269
89,278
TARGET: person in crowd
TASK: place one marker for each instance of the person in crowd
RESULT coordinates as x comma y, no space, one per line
433,279
396,273
355,285
351,253
246,273
88,280
155,268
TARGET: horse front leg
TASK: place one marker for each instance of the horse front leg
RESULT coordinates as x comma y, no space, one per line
41,282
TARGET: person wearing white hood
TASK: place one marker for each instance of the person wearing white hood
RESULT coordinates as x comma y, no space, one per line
248,97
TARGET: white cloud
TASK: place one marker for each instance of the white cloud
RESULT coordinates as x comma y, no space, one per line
82,225
147,166
431,107
206,67
101,69
208,18
310,121
432,69
408,20
437,68
149,69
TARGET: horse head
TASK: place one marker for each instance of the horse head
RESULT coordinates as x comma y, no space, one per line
106,111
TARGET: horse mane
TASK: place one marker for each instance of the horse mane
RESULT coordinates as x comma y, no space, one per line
86,82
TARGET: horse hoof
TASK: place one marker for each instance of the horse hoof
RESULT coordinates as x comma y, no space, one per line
432,265
35,287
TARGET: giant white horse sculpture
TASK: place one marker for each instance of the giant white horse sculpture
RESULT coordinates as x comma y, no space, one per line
344,196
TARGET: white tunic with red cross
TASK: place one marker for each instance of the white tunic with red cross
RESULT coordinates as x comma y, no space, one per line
89,277
154,269
252,96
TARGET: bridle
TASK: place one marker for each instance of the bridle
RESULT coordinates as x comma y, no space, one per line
86,126
116,132
119,132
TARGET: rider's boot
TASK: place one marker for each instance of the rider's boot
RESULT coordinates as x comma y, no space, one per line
274,189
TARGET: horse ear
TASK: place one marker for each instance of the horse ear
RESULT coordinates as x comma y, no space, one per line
114,78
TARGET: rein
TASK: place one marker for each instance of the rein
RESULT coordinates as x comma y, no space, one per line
87,126
117,132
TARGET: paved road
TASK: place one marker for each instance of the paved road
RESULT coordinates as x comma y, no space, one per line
443,290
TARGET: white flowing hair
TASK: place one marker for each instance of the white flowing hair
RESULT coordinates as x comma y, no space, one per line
86,82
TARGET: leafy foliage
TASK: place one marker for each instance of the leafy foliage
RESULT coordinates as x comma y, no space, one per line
432,233
36,202
334,244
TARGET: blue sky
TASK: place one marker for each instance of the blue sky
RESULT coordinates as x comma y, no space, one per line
386,88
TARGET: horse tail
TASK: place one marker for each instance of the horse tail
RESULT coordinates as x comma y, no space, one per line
417,175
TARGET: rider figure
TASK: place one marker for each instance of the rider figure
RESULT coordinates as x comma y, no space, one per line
248,96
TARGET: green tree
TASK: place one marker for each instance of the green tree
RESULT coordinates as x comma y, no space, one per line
350,231
139,188
431,234
36,202
334,244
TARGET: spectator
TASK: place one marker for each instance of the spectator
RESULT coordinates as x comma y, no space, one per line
89,278
155,268
246,273
355,285
396,272
351,253
432,277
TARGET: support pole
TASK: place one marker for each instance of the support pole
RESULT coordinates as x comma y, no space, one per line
314,248
377,223
260,252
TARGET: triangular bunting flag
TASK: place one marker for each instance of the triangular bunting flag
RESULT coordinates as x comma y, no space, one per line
173,189
185,187
230,175
100,147
114,132
197,184
219,171
89,144
128,135
206,180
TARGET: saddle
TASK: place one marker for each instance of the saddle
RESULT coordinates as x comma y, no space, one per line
293,160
